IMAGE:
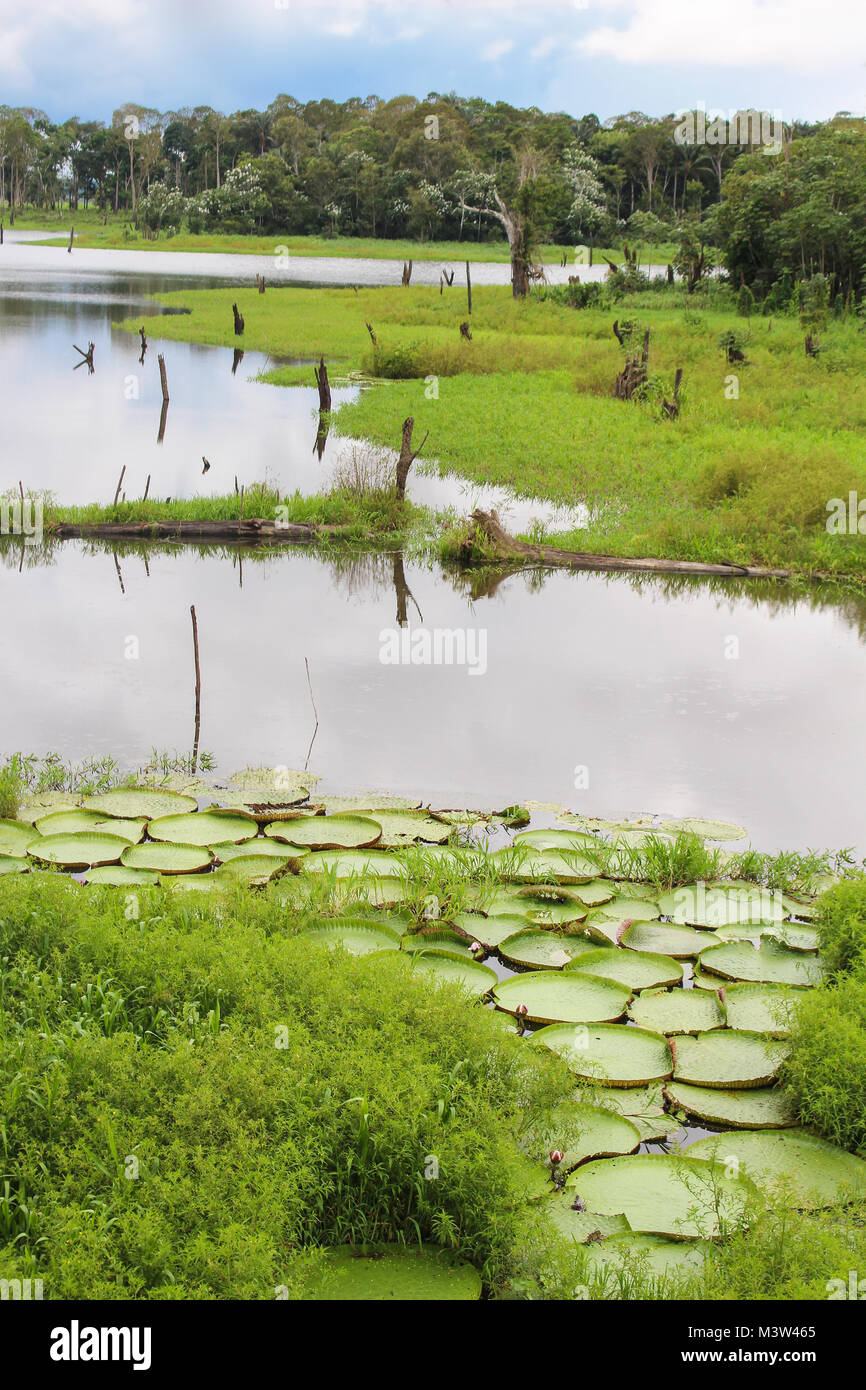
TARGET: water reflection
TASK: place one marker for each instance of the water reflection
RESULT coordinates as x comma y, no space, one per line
626,675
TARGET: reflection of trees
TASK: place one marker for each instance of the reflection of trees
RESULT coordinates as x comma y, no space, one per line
367,574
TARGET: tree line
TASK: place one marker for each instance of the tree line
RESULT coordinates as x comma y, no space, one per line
465,169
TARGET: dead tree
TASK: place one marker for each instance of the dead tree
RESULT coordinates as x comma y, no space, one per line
672,408
564,260
260,281
813,347
449,279
441,284
407,272
372,334
163,379
734,354
407,456
239,321
237,359
466,331
321,374
71,238
634,374
468,290
616,333
143,336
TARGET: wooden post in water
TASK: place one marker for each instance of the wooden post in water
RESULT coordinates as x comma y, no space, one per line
468,289
71,238
197,688
163,380
146,488
119,484
324,386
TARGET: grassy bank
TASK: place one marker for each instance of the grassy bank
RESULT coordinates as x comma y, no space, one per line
744,475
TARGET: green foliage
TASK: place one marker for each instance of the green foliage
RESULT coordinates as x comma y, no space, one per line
826,1071
10,791
191,1095
841,922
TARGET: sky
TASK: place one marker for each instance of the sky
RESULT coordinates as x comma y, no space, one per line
794,58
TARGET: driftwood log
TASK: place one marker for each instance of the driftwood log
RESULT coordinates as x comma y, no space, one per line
497,546
232,528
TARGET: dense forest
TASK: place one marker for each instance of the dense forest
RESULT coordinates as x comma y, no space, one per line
461,168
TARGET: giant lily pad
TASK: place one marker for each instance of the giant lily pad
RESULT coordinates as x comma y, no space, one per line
83,851
203,828
643,1106
706,829
728,1059
794,936
79,822
529,865
390,1273
131,803
438,939
762,1008
556,839
16,837
677,1011
609,1053
545,950
328,832
119,876
764,1107
468,974
354,863
260,846
494,931
579,1225
636,969
551,906
664,1194
581,1132
717,905
357,935
770,963
409,827
254,869
552,997
655,1256
167,858
13,864
597,893
812,1171
666,939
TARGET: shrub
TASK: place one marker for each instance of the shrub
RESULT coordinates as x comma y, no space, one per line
826,1071
841,923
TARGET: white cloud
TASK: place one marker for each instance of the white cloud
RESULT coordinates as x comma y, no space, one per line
783,34
492,52
544,48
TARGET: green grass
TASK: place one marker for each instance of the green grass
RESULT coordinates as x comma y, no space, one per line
528,404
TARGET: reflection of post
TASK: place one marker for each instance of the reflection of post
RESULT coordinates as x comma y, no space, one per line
322,433
163,416
197,689
237,359
403,592
119,571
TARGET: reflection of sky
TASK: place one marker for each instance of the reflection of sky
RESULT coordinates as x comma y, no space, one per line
586,670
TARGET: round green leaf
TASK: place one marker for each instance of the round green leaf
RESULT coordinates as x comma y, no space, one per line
664,1194
552,906
552,997
203,828
358,936
118,876
271,849
410,827
556,839
437,939
168,858
13,864
130,803
384,1274
545,950
666,940
350,863
16,837
491,931
728,1059
715,905
609,1053
812,1171
468,974
83,851
328,832
706,829
636,969
762,1008
678,1011
652,1256
581,1132
769,964
764,1107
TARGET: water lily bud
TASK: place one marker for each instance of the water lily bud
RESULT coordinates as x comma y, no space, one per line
476,948
521,1011
556,1157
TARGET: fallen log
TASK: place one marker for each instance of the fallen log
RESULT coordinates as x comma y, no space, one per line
231,528
496,545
